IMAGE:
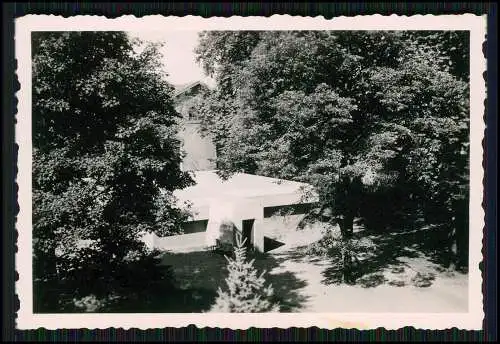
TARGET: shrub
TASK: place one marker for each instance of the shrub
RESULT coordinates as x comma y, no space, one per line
245,292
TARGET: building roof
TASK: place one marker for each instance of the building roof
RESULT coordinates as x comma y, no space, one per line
183,88
242,188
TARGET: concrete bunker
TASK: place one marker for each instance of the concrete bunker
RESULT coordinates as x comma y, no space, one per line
260,208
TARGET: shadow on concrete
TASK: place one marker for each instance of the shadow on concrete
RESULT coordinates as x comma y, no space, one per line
271,244
198,275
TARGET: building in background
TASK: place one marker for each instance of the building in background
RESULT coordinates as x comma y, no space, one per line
200,151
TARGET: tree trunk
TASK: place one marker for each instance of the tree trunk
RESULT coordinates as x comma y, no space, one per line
347,224
347,268
346,229
452,247
461,224
458,235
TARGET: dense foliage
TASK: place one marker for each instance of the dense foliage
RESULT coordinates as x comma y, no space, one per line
377,121
246,291
104,147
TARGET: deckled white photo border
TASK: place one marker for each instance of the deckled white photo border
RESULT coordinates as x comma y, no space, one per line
469,321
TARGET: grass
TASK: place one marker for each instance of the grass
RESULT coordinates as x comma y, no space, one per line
200,274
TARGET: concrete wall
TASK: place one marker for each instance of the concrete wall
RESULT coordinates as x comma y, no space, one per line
271,222
276,227
180,243
195,237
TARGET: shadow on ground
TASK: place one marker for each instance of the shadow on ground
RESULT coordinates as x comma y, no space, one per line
198,275
388,255
383,257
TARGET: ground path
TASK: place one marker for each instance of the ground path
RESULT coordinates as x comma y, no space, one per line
448,292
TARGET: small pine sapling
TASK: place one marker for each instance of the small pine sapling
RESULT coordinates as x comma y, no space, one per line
246,292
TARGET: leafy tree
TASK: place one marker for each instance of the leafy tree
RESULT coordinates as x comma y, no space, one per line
221,54
105,159
436,166
347,111
246,292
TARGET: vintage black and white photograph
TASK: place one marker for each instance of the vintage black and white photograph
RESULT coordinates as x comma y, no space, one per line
251,170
